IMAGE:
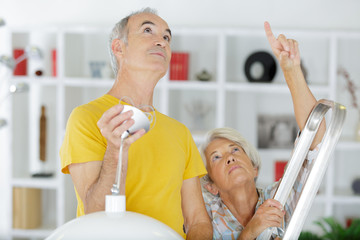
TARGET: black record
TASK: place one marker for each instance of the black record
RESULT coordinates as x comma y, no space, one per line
266,61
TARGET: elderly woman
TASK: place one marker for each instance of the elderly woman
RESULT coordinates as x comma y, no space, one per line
238,209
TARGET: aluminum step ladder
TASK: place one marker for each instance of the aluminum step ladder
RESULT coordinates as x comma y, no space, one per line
318,170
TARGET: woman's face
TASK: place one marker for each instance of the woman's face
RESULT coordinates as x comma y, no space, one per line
228,165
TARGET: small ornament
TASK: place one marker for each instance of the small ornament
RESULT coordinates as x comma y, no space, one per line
198,110
96,68
38,72
42,145
42,139
356,186
260,67
203,76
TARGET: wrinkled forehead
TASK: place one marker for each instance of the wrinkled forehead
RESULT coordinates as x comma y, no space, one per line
218,145
219,142
136,21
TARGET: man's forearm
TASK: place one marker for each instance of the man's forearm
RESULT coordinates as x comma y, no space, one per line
200,231
95,197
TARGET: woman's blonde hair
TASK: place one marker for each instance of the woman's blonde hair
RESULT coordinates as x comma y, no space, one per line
234,136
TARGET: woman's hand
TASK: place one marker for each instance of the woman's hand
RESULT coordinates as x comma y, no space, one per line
269,214
285,50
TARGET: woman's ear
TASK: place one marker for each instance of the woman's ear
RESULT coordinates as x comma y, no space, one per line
256,170
211,188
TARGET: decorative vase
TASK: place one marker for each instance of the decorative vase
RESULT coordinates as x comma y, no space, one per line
356,186
203,76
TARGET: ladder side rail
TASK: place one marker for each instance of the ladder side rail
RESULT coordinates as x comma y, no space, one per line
299,154
317,173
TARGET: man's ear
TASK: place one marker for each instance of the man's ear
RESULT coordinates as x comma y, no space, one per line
211,188
117,46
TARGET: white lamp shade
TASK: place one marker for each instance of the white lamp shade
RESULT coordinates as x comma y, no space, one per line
118,225
140,118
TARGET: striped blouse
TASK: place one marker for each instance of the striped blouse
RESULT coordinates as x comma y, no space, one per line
226,226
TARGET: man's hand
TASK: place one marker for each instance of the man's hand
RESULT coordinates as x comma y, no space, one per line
93,180
113,124
285,50
269,214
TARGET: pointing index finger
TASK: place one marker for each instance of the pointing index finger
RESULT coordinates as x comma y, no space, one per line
269,34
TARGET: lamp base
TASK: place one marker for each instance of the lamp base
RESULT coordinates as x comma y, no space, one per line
118,225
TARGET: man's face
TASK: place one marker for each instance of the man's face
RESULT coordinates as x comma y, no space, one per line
148,45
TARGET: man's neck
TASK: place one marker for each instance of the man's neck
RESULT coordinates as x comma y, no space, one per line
139,87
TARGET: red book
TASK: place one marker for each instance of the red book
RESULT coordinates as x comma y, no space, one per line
279,169
186,66
179,66
53,58
20,68
173,66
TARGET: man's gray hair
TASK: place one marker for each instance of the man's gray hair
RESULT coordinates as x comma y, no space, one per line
234,136
120,31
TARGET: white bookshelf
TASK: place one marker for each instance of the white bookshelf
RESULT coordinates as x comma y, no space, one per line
234,102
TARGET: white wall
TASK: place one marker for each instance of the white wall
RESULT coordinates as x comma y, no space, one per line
308,14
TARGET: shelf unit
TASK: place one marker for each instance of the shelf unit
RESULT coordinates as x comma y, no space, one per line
229,99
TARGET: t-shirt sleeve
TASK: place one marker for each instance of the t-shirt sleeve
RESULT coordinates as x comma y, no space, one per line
83,141
194,164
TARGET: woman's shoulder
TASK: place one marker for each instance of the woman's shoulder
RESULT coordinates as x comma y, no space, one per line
209,198
269,191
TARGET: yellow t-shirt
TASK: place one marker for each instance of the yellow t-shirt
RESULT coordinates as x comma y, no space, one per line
158,162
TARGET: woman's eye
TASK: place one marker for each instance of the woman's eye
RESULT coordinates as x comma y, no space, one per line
236,149
216,157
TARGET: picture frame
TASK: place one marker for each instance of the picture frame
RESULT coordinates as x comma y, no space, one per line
276,131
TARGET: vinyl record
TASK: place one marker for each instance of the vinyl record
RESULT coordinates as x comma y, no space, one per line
260,67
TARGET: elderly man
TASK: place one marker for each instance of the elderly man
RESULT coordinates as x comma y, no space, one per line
163,166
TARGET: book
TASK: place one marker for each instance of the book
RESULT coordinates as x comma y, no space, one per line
179,66
53,58
279,169
21,68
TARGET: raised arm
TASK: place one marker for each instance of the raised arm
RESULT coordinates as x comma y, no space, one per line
93,180
288,55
